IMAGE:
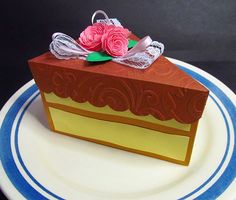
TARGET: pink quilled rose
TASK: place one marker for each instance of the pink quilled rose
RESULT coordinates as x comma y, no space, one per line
115,40
91,37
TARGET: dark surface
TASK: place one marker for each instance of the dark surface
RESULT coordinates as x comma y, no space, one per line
202,32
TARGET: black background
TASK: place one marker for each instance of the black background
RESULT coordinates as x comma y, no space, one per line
201,32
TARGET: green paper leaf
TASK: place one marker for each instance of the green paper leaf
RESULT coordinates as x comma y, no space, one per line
98,57
132,43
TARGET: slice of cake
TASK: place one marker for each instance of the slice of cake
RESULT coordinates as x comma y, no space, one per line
154,112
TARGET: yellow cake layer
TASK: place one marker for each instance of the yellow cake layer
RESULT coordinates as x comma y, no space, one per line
122,135
52,98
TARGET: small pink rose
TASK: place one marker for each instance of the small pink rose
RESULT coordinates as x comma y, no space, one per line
115,40
91,37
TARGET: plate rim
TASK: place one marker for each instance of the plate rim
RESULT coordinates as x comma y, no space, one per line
29,84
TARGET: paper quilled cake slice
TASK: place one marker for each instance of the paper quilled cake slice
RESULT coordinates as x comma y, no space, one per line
154,112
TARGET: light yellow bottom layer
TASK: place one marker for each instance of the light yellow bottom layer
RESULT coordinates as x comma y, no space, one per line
133,137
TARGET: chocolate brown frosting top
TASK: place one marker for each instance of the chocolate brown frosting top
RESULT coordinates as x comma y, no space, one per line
162,90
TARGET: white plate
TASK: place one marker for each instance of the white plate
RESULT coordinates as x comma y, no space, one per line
39,164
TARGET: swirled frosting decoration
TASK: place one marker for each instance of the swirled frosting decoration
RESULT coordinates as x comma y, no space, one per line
163,90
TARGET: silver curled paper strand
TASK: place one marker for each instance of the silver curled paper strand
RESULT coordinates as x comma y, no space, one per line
106,20
141,56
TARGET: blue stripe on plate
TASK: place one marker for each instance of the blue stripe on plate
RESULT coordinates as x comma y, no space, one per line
5,149
221,162
230,172
30,193
18,151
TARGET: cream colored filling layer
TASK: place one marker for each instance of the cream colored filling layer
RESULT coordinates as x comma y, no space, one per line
171,146
52,98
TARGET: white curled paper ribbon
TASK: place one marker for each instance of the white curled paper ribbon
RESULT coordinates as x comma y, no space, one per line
141,56
65,47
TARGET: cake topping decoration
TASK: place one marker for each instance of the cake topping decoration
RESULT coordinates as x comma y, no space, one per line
107,40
